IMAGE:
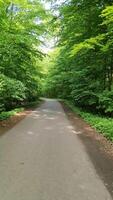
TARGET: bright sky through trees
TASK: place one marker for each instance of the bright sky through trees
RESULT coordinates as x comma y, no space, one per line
49,44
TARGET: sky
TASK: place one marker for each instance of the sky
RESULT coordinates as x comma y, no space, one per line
48,47
58,2
49,44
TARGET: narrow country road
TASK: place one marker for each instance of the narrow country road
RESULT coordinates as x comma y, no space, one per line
42,158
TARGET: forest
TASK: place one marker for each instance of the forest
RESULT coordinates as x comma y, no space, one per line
23,24
79,68
82,63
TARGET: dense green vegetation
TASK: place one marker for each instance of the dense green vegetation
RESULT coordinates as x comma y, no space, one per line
82,68
23,24
6,115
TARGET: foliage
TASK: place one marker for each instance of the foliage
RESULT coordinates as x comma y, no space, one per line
11,92
82,70
32,104
23,23
106,101
6,115
101,124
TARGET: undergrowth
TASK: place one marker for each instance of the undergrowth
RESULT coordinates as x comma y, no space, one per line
6,115
102,124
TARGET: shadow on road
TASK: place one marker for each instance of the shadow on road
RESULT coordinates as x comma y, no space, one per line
96,150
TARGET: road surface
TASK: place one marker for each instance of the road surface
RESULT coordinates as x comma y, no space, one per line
42,158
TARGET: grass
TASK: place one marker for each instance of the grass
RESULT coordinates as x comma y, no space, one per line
8,114
102,124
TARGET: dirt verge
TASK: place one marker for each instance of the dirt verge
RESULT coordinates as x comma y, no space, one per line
6,125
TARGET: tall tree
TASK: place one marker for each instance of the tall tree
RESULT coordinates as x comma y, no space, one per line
22,25
83,69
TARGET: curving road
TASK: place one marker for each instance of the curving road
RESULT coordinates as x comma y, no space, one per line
42,158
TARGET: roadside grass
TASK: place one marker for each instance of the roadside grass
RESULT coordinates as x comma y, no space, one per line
7,114
102,124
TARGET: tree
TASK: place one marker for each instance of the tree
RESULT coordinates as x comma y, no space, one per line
83,69
22,24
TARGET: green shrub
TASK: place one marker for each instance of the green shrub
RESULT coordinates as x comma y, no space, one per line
85,98
106,101
6,115
12,92
32,104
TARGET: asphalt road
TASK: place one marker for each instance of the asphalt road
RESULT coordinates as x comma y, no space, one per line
42,158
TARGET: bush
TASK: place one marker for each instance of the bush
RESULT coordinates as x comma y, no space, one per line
6,115
106,102
101,102
32,89
12,92
85,99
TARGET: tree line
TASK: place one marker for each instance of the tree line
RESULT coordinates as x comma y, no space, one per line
82,64
21,27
